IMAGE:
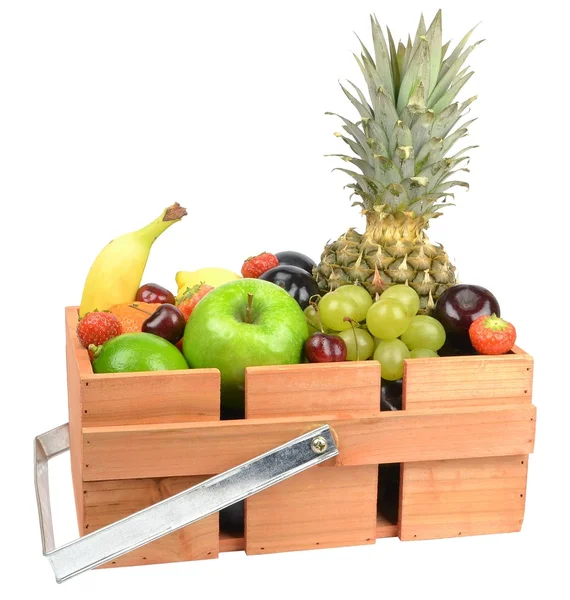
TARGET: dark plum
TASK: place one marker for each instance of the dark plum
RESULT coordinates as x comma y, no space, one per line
457,346
322,347
296,259
389,491
232,518
152,293
167,322
391,395
459,306
295,281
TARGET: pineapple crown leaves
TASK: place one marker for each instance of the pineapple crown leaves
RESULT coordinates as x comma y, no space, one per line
409,122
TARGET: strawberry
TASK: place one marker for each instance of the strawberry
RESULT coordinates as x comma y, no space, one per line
492,335
97,328
191,297
255,266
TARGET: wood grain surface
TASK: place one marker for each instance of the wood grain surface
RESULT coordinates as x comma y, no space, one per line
168,450
467,496
109,501
324,507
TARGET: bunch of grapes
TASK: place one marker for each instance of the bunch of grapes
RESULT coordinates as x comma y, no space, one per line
389,330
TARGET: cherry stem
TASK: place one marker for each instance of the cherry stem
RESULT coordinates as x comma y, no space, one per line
351,321
248,318
136,307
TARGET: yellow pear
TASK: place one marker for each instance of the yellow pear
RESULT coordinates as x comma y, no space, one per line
213,276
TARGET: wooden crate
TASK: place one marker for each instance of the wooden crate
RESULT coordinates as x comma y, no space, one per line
463,441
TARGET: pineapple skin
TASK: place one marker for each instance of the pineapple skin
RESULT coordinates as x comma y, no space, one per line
393,250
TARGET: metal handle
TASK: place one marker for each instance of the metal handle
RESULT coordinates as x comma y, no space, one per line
171,514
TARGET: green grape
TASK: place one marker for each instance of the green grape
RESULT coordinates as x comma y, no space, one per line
423,353
312,329
360,296
334,307
424,332
313,317
376,342
387,319
363,341
406,295
391,354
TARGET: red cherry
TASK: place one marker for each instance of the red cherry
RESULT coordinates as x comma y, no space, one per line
152,293
167,322
321,347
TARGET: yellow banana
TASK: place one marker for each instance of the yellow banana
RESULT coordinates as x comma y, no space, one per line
115,276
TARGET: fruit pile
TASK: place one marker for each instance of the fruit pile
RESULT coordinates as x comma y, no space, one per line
275,314
388,295
389,329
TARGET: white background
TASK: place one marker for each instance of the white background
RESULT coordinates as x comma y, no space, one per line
110,111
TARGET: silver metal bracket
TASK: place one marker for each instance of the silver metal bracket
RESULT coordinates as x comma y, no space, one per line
171,514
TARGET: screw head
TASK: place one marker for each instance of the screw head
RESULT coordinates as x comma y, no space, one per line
319,444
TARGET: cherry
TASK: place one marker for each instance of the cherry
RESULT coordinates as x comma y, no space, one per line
321,347
152,293
167,322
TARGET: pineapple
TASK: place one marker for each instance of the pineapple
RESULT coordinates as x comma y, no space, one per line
402,146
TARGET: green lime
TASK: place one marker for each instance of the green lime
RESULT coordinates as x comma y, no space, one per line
132,352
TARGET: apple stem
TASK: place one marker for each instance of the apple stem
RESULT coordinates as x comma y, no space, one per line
248,318
351,321
136,307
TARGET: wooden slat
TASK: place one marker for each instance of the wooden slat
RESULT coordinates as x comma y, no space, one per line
233,543
164,397
198,448
109,501
467,381
311,389
453,498
469,496
385,528
323,507
75,409
136,398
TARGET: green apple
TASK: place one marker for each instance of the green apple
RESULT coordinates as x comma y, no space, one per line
244,323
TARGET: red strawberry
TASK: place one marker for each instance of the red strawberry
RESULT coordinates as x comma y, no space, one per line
191,297
97,328
255,266
492,335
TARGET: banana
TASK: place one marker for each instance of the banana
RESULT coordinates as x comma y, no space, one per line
115,275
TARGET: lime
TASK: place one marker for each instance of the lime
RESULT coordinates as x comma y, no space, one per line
133,352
